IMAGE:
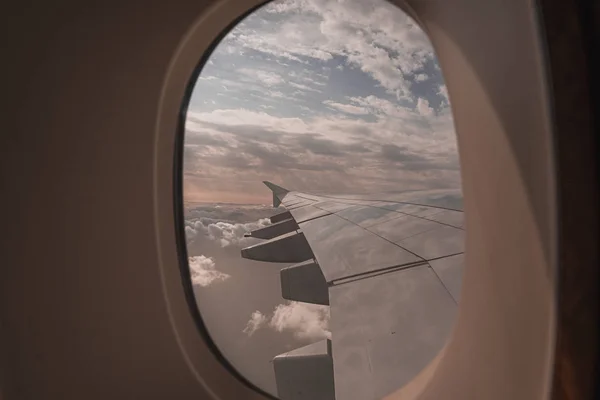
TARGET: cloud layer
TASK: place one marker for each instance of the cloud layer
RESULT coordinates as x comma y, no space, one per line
226,232
311,93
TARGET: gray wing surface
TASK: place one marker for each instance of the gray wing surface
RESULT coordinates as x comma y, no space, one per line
390,272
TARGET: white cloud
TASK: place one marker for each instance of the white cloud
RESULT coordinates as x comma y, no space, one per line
265,77
303,87
416,128
305,321
256,321
203,271
246,117
423,107
262,131
282,6
375,36
309,77
421,132
225,233
275,44
233,233
190,233
443,92
347,108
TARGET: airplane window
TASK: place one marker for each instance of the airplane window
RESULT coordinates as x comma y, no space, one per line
343,107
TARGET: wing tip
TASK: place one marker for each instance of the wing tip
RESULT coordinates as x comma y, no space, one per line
276,189
278,192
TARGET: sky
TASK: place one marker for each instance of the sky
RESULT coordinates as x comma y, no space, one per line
321,96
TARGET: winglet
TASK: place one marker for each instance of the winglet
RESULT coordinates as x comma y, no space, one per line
277,191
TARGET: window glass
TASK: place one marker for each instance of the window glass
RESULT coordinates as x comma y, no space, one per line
320,96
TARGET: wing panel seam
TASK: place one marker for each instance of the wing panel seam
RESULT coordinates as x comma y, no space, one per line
381,237
389,201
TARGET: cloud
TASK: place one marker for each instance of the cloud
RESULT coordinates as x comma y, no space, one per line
225,233
225,223
190,233
267,78
305,321
339,148
374,36
443,92
358,76
244,117
390,122
347,108
256,321
270,156
193,138
304,87
309,76
319,145
395,153
423,107
227,212
203,271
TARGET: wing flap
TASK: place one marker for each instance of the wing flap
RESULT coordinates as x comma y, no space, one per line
288,248
304,282
274,230
280,217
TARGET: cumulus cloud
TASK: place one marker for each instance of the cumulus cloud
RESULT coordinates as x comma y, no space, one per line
227,233
256,321
203,271
224,232
190,232
305,321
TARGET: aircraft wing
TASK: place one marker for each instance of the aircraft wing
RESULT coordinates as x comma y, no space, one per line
390,272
